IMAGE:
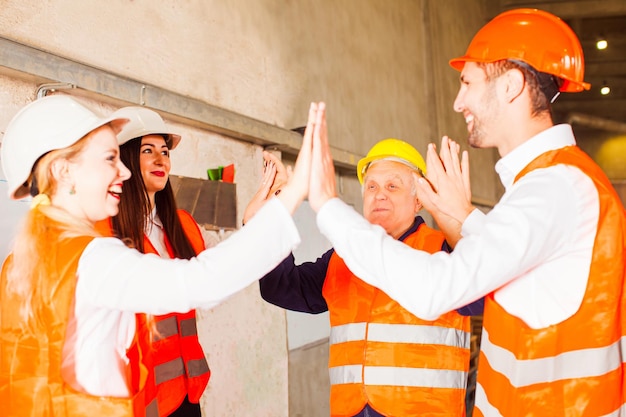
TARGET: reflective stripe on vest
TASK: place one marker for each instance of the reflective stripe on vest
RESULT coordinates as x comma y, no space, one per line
165,328
399,333
175,368
197,367
489,410
188,327
398,376
179,365
382,355
152,409
169,370
574,367
32,382
575,364
169,327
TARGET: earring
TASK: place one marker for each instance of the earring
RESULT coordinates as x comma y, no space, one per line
72,190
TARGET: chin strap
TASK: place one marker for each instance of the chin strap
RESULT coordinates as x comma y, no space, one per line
548,84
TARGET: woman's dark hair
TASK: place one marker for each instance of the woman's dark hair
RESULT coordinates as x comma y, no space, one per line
134,209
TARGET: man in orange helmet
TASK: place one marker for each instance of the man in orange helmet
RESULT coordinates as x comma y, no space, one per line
549,257
383,360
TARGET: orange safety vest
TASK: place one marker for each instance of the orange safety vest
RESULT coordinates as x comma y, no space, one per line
384,356
177,366
573,368
31,353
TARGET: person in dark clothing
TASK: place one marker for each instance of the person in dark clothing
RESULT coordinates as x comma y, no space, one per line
383,359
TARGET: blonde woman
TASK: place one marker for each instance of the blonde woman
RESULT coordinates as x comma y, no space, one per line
68,297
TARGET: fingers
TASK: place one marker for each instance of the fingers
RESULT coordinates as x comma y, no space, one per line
269,173
320,125
448,154
444,152
435,169
297,187
260,197
465,169
425,192
269,170
282,175
321,148
269,157
455,149
458,168
303,162
322,181
307,140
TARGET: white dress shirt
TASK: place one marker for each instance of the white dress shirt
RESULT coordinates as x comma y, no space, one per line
533,248
115,282
156,235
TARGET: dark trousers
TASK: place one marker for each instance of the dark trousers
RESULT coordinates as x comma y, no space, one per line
187,409
369,412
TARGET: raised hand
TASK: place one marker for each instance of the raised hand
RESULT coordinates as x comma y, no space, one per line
322,187
282,174
297,187
270,177
446,193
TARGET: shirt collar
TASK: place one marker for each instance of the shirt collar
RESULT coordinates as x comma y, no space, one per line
416,223
154,220
556,137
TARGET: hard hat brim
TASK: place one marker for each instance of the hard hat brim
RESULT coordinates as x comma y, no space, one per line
21,190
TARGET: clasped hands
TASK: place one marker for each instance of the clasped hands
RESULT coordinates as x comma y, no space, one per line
313,175
445,191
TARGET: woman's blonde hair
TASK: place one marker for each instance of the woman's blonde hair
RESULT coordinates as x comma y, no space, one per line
31,265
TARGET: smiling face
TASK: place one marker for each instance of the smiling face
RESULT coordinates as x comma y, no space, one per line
389,197
94,178
477,100
154,162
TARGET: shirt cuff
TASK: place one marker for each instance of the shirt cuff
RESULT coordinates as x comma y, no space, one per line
332,214
473,223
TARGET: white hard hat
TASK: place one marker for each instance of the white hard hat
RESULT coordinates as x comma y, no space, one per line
46,124
143,122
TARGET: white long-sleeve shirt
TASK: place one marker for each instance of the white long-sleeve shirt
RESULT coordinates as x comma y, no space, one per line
115,282
533,248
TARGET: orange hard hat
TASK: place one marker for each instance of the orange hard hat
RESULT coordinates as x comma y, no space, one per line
535,37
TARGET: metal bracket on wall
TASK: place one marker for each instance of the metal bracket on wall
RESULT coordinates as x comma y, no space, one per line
43,89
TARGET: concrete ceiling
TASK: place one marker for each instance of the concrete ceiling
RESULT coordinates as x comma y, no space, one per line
590,112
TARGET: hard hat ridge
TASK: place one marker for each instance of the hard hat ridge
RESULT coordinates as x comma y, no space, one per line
142,122
391,149
535,37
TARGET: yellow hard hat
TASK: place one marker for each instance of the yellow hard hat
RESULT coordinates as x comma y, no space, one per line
392,149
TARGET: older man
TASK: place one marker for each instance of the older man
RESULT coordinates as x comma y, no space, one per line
384,361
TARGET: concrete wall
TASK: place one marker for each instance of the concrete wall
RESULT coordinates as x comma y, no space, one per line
380,65
608,150
435,32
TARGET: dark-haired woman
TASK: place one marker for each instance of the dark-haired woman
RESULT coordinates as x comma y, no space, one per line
148,217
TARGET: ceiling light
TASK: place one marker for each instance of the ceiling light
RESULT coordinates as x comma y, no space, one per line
605,90
602,44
